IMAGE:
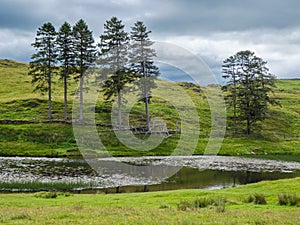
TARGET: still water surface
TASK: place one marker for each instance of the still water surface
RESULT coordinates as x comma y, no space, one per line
146,173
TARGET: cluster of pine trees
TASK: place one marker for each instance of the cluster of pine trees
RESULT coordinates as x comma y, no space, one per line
70,51
128,57
249,85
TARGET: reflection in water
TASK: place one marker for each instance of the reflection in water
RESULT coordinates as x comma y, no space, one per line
201,172
189,178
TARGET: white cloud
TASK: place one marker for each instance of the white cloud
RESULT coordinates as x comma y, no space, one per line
278,47
15,44
212,29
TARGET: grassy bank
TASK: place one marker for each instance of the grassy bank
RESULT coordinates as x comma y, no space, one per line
277,135
171,207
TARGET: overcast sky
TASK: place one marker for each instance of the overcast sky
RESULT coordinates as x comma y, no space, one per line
211,29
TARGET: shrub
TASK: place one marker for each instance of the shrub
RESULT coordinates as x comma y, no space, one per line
260,199
294,200
221,205
22,216
65,194
283,199
164,206
288,199
203,202
249,199
183,205
46,195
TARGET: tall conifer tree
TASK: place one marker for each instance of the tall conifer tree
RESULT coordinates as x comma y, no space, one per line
42,67
114,52
142,64
84,53
66,58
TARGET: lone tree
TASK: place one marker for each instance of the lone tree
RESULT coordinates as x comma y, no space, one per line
42,68
249,85
84,53
142,64
66,58
230,73
114,52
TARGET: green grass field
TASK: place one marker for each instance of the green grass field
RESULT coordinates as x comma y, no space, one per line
277,135
155,207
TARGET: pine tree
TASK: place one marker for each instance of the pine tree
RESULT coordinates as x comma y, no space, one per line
114,52
230,72
84,53
250,84
142,64
66,58
42,68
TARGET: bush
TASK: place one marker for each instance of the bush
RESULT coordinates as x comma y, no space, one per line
288,199
260,199
221,205
294,200
164,206
249,199
183,205
283,199
46,195
203,202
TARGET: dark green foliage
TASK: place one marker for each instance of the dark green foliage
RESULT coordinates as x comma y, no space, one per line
288,199
283,199
249,199
114,58
42,68
259,199
83,46
230,73
294,200
66,58
164,206
51,194
249,87
204,202
184,205
46,195
84,53
141,58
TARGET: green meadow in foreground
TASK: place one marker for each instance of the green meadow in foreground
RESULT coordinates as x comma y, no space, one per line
226,206
278,135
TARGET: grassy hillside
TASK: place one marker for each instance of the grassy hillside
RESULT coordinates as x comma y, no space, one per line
231,206
278,134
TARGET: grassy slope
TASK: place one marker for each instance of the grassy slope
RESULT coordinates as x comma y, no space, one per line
154,207
279,132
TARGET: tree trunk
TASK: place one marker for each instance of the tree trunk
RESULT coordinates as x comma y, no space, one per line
147,111
248,126
119,109
119,98
146,97
49,97
81,98
234,115
234,121
65,96
234,107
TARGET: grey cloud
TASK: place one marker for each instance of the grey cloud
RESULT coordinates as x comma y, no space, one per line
199,17
17,15
15,44
268,27
166,17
